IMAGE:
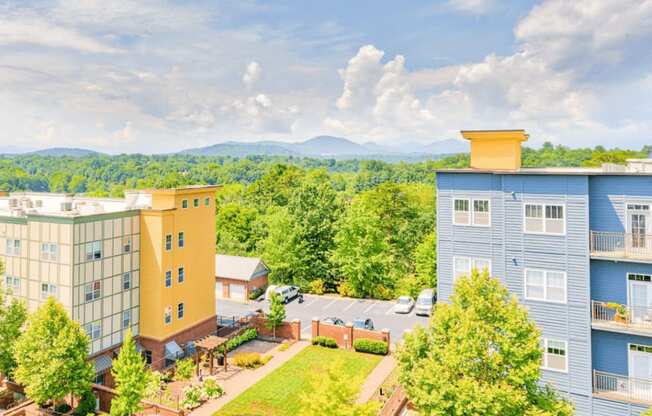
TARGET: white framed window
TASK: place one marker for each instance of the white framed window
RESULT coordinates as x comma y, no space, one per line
544,219
93,250
12,283
181,274
93,330
180,310
461,212
167,315
481,213
47,290
181,241
545,285
168,278
168,242
463,266
126,244
126,281
13,247
555,355
126,319
48,252
92,291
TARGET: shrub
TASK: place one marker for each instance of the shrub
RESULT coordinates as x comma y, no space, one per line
371,346
248,360
154,383
62,408
317,287
256,293
284,346
192,397
346,289
86,404
184,369
210,388
324,342
235,342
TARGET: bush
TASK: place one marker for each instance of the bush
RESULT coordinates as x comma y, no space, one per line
284,346
346,289
62,408
184,369
154,383
371,346
317,287
324,342
210,388
235,342
192,397
86,404
250,360
256,293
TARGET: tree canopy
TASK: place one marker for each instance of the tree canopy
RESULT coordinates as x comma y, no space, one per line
13,314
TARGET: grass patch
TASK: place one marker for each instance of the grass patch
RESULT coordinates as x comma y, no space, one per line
278,393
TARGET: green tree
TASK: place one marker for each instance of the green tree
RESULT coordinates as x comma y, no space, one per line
280,248
13,314
52,356
480,355
425,256
333,393
236,228
131,379
276,314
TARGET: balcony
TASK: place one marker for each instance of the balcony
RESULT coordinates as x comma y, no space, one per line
627,246
622,388
621,318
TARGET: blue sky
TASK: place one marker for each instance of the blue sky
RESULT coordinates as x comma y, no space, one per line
156,76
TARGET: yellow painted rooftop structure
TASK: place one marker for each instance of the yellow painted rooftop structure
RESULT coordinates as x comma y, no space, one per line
495,149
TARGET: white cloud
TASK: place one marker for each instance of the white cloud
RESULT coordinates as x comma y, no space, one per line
471,6
360,75
252,74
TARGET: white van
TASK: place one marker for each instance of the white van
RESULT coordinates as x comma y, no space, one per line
425,302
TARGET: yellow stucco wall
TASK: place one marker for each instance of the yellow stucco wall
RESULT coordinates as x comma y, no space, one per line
495,149
197,257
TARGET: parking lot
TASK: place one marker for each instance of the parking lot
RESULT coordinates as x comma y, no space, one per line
381,312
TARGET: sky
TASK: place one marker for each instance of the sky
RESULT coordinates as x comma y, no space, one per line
159,76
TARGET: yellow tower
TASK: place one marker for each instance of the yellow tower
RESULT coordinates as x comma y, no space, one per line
495,149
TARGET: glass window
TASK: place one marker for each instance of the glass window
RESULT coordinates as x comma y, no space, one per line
47,290
540,218
93,250
12,284
207,202
462,267
639,277
555,355
182,274
93,330
184,203
13,248
48,252
545,285
534,218
481,264
92,291
126,244
126,319
181,239
168,278
195,202
461,214
555,219
168,242
481,215
167,315
126,281
180,310
556,286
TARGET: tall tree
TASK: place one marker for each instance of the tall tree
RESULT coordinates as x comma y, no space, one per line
276,314
131,378
52,356
479,356
13,314
425,256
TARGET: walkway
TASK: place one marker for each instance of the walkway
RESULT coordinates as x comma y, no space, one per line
376,378
246,378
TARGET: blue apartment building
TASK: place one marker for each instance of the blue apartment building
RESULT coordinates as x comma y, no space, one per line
575,247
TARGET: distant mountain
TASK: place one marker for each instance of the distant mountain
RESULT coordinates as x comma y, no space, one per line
238,149
64,151
330,146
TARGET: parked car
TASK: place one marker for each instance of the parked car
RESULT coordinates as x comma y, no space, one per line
362,323
404,304
333,321
425,302
287,293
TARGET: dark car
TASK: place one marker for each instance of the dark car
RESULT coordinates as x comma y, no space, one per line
361,323
333,321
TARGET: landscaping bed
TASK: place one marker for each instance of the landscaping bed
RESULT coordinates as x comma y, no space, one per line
279,393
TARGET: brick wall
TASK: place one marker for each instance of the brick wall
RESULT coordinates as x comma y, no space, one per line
287,330
345,335
105,395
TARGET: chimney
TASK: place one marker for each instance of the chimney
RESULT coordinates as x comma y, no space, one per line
495,149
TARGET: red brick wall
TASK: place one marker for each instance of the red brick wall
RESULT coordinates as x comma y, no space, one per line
345,335
106,394
287,330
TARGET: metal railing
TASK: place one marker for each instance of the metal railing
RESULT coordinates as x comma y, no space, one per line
634,317
621,245
623,388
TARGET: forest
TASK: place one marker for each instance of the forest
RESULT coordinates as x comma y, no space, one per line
362,228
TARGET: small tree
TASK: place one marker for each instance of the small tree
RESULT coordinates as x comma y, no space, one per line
131,378
276,314
12,318
479,356
333,393
52,356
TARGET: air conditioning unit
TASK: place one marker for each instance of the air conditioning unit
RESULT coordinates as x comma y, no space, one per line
66,206
27,203
13,202
38,203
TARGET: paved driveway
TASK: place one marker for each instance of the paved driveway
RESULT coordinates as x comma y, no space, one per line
325,306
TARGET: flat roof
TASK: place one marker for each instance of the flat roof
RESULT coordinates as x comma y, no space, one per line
547,171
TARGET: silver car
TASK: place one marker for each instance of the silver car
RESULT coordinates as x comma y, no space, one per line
404,304
425,302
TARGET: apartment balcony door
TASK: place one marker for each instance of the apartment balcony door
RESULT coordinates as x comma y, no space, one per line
640,300
640,371
638,220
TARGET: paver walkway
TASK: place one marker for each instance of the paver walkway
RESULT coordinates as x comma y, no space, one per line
246,378
376,378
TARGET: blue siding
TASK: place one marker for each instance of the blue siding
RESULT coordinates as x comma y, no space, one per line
609,195
604,407
609,279
610,350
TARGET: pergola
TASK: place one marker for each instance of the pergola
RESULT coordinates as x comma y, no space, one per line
209,345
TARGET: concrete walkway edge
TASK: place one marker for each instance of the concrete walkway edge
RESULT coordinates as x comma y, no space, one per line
376,378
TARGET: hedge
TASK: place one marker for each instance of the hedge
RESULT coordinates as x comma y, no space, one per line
370,346
235,342
256,293
324,341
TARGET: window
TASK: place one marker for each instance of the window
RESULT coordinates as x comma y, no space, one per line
545,285
461,214
168,278
181,238
555,356
167,315
126,319
168,242
195,202
92,291
182,274
12,283
640,348
148,357
126,281
184,203
126,244
180,311
636,277
481,214
47,290
93,250
546,219
13,247
207,202
99,379
462,266
93,330
48,252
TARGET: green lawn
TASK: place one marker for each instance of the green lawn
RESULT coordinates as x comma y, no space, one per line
278,393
